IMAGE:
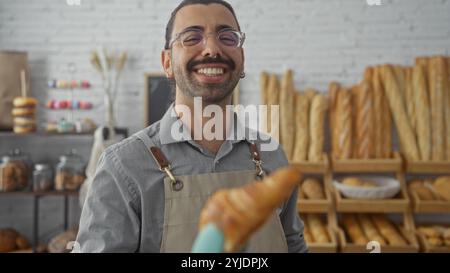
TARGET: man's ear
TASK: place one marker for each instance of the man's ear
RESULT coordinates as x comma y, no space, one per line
166,63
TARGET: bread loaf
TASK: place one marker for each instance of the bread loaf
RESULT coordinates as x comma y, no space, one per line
333,91
287,131
447,111
409,98
405,133
422,106
422,191
313,189
438,82
370,230
354,230
317,228
382,118
364,121
343,129
302,128
388,230
317,128
264,83
273,98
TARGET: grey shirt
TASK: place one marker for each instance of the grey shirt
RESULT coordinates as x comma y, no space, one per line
124,207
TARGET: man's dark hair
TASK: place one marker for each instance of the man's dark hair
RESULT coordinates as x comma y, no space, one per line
185,3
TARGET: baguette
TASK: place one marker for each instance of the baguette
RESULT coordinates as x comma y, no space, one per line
273,98
355,129
302,128
388,230
287,113
422,106
364,121
370,230
317,228
438,82
264,84
344,125
378,114
447,112
354,230
409,98
333,91
317,127
406,134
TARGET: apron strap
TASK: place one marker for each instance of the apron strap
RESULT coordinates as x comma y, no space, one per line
256,158
159,158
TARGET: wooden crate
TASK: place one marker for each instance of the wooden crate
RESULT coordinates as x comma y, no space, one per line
395,164
316,205
309,167
406,229
399,204
426,247
331,247
428,206
428,167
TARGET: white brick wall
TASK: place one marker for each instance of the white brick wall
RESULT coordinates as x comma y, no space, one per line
321,40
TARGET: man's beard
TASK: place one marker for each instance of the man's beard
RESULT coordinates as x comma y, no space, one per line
209,92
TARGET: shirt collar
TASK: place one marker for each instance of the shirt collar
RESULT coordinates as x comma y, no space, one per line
170,121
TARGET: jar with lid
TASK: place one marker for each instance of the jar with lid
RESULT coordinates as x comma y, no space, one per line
70,172
42,178
15,171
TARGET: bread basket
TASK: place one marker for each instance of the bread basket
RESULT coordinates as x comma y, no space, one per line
387,187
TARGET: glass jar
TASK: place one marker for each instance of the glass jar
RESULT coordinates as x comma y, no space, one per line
42,178
70,172
15,171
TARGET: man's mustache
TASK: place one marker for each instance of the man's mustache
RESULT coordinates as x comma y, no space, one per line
209,60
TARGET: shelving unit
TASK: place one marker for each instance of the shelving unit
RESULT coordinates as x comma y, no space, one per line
37,196
400,205
437,207
323,207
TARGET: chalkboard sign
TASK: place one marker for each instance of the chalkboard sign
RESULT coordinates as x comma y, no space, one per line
158,97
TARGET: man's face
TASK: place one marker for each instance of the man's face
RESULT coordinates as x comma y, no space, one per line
198,69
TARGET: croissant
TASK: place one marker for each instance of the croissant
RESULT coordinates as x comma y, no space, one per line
239,212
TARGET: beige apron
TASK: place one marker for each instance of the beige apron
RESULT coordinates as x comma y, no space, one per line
186,195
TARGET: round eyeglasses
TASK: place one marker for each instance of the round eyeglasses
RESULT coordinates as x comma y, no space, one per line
227,38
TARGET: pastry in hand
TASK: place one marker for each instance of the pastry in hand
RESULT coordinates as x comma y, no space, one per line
312,188
239,212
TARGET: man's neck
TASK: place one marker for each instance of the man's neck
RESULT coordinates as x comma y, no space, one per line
196,122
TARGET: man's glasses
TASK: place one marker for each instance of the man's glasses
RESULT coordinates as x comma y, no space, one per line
227,38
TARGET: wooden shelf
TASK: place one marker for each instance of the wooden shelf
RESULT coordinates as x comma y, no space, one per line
367,165
309,167
428,167
39,194
428,206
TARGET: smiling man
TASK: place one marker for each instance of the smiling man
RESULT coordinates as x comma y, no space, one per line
149,189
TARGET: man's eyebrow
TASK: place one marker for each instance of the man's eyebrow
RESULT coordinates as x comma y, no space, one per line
222,27
193,28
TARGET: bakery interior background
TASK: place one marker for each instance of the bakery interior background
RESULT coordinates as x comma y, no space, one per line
321,41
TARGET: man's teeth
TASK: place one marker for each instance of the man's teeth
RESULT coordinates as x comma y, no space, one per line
211,71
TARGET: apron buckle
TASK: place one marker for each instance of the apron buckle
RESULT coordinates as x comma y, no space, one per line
259,170
177,185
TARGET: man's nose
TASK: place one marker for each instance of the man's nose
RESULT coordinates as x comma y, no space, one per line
211,47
